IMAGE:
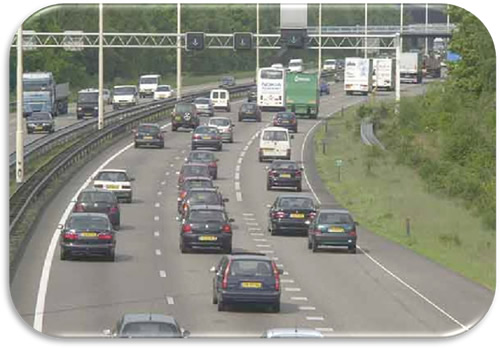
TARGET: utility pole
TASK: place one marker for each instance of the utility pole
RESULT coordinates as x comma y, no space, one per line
401,24
398,45
257,44
319,41
19,110
179,53
366,30
100,122
426,22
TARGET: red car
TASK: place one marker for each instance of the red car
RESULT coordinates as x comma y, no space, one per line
204,157
286,120
193,169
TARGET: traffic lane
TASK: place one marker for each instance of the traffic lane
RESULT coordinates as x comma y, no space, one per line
346,270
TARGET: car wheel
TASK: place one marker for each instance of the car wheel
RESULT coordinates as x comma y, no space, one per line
275,307
219,148
214,297
352,249
111,255
260,159
273,231
193,147
269,186
116,227
299,188
162,146
63,255
296,130
129,199
240,119
183,248
174,129
221,306
215,176
314,246
228,250
231,140
136,145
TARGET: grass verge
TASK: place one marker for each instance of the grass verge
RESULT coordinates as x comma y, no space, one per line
382,194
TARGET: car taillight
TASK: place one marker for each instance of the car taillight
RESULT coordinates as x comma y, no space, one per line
186,228
79,207
226,228
298,173
278,215
105,236
183,194
276,277
274,173
212,164
70,235
353,232
114,209
218,137
98,185
293,121
196,136
226,272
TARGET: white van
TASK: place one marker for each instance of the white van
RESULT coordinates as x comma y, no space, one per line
124,96
220,99
296,65
275,144
148,85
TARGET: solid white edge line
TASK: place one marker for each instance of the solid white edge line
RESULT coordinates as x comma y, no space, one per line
439,309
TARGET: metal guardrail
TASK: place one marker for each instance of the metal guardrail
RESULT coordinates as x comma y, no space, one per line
368,136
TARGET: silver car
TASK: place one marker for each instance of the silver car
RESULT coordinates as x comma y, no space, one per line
292,333
225,127
204,106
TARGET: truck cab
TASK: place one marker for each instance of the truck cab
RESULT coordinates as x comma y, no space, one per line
87,103
40,86
148,85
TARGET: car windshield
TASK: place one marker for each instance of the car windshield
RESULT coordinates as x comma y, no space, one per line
163,89
87,223
201,156
42,116
206,216
296,203
249,107
202,101
285,165
183,108
108,197
274,136
330,61
295,64
150,329
198,183
200,170
206,130
149,129
149,80
111,176
227,79
204,198
221,122
124,90
285,115
335,218
88,97
251,268
271,74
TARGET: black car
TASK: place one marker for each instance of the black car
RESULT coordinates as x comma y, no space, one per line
94,200
204,157
252,94
206,227
190,183
246,278
206,136
40,122
193,169
283,173
291,214
324,87
87,234
287,120
185,115
201,196
249,111
146,325
227,81
149,134
87,103
332,227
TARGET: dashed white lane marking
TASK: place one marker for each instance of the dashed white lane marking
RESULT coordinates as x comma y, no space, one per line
237,186
177,173
289,281
249,219
156,233
248,214
260,240
163,182
279,265
238,167
160,193
255,229
177,158
158,252
324,329
240,160
275,258
245,148
156,218
170,300
167,173
307,308
157,205
263,245
315,318
256,234
265,251
183,151
250,142
298,298
285,273
237,176
171,164
242,153
292,289
163,274
252,223
239,198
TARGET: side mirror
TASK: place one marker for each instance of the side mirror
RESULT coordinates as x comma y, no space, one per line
216,160
212,269
131,179
231,220
280,270
301,169
107,332
292,136
185,333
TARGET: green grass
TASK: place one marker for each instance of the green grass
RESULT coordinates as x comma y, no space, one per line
382,194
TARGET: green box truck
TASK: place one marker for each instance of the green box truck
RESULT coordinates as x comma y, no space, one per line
302,94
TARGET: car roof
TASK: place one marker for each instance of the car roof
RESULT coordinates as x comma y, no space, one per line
294,332
204,189
151,75
197,178
149,124
195,164
296,195
275,129
249,256
143,317
219,118
337,211
284,161
122,86
89,214
201,151
207,207
113,170
95,189
164,86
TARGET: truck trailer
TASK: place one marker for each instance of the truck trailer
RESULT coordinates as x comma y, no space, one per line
411,67
358,75
302,94
384,73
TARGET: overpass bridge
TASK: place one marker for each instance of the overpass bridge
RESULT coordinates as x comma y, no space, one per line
442,30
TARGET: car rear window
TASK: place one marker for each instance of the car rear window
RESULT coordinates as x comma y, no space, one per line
284,165
204,198
219,122
285,115
108,197
206,216
150,129
274,136
206,130
198,183
200,170
251,268
335,218
163,89
42,116
111,176
88,223
296,203
183,108
249,107
202,101
150,329
202,156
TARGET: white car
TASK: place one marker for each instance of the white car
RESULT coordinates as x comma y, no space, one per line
330,65
163,92
124,96
275,144
220,99
296,65
225,127
115,180
148,85
277,66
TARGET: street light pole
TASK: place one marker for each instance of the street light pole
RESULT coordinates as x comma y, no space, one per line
179,53
366,30
397,43
19,111
401,25
257,43
426,22
319,41
100,122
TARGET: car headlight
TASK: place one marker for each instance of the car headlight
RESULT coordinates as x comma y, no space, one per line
79,109
96,108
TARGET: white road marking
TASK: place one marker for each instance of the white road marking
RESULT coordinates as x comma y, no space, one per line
160,193
279,265
170,300
249,219
157,205
315,318
250,142
163,182
237,186
167,173
237,176
177,158
263,245
255,229
292,289
158,252
238,167
245,148
156,233
408,286
285,273
171,164
242,154
240,160
260,240
307,308
266,251
248,214
239,198
298,298
252,223
157,218
256,234
163,274
289,281
177,173
275,258
324,329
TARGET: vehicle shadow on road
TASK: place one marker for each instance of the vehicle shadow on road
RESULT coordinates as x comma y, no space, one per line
126,228
286,308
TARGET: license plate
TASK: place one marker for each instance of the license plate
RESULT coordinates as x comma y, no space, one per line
336,229
285,175
207,138
252,285
297,216
178,118
39,127
89,234
112,187
207,238
284,122
148,138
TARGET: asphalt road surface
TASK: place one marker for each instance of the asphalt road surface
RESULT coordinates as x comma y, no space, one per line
384,289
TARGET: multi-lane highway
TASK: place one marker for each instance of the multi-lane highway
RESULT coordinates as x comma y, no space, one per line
384,289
